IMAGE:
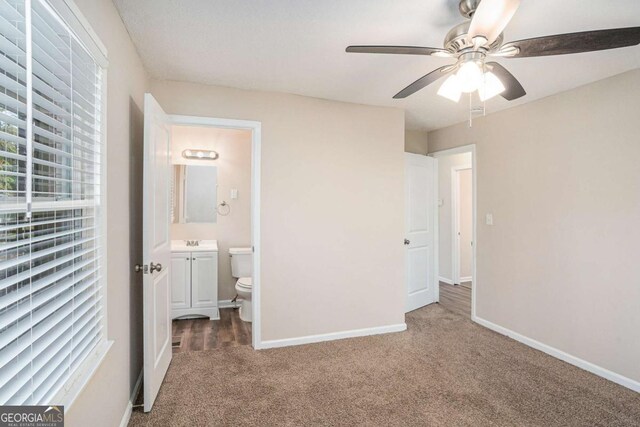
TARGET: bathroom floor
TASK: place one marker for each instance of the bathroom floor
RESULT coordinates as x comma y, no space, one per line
205,334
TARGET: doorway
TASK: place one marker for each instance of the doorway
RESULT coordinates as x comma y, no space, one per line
457,229
232,194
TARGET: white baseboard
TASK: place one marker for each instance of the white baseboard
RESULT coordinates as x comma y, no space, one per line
226,303
127,412
559,354
445,280
333,336
465,279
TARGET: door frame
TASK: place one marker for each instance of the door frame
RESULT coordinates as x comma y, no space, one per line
471,148
455,221
256,143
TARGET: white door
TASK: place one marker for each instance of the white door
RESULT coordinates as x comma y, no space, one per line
204,279
181,280
421,183
156,249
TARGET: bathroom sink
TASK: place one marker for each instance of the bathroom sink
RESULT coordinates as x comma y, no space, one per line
202,246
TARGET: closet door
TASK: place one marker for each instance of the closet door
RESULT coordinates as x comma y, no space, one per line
180,280
204,279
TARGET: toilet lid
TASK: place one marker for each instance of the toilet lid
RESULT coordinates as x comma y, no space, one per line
245,282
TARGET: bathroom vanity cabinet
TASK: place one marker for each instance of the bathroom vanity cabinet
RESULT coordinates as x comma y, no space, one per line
194,281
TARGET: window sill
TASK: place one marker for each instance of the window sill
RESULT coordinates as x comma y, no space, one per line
79,380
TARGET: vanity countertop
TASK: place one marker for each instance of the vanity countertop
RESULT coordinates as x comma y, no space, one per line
203,246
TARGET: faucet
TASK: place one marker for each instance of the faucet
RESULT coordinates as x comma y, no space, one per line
193,243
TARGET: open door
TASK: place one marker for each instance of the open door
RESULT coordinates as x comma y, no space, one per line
156,249
421,183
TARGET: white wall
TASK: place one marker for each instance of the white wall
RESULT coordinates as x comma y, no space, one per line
105,398
233,171
445,213
562,178
331,230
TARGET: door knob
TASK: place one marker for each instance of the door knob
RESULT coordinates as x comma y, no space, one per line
407,241
155,267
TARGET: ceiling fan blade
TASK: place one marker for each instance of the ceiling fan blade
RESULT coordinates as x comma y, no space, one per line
563,44
424,81
491,18
513,88
401,50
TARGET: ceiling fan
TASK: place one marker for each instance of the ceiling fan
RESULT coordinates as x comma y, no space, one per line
473,42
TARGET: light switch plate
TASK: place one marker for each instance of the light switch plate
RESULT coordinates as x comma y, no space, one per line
234,193
489,219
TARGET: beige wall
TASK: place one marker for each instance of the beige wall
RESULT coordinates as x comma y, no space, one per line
233,171
416,142
466,223
105,398
331,173
562,178
445,215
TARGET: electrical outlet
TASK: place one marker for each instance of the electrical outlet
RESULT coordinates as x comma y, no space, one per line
234,193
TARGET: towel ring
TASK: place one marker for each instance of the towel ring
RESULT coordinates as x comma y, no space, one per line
224,206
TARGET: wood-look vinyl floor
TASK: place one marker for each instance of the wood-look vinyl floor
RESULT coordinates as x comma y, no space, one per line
456,298
205,334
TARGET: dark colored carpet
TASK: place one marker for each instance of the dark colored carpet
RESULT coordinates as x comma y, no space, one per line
445,370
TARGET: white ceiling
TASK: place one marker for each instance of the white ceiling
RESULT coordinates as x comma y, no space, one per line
297,46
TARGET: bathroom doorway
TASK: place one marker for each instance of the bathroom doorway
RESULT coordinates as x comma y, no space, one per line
215,223
457,229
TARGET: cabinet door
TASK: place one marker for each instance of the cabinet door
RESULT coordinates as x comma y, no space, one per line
180,280
204,279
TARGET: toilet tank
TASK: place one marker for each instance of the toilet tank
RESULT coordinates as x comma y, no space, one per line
241,262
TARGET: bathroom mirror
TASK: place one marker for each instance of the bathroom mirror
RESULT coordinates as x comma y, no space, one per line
194,194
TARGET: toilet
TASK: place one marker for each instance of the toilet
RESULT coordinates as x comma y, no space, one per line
242,269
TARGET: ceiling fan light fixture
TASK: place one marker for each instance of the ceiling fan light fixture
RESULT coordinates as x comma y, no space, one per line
492,87
469,77
450,89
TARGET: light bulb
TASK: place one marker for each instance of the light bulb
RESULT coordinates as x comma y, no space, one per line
187,153
492,87
450,89
469,76
200,154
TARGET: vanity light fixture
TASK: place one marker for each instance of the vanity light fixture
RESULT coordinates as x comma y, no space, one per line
200,154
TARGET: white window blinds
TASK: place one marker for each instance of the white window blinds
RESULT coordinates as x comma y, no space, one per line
51,309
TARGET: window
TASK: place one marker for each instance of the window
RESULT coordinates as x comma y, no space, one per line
51,201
